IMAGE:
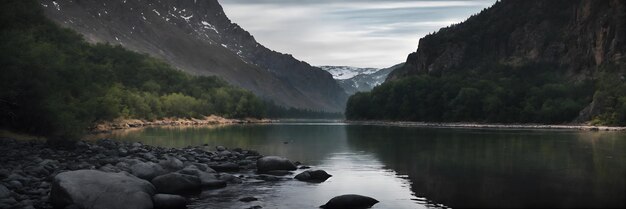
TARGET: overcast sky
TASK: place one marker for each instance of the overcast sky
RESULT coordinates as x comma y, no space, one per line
361,33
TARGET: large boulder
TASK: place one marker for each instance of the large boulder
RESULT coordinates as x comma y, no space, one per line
169,201
313,176
207,180
271,163
92,189
350,201
171,164
147,170
177,183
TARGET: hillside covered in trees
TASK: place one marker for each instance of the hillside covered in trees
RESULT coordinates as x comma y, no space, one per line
516,62
55,84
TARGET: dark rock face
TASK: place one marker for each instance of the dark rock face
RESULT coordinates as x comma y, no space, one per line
350,201
272,163
313,176
93,189
197,37
177,183
168,201
578,35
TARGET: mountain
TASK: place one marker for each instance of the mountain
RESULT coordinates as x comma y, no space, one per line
347,72
197,37
529,61
578,36
364,80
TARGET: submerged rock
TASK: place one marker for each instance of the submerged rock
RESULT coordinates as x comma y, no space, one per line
313,176
92,189
248,199
350,201
271,163
168,201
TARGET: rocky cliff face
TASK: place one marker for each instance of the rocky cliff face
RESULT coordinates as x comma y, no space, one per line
196,36
576,35
579,37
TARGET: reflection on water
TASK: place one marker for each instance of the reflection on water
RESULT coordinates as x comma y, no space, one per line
407,167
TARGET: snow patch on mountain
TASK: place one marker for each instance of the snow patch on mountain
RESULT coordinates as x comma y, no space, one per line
353,79
347,72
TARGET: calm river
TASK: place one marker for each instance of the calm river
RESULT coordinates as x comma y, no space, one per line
410,167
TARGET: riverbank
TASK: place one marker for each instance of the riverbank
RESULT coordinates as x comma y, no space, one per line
488,126
35,175
119,124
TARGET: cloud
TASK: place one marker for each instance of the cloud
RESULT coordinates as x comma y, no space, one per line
363,33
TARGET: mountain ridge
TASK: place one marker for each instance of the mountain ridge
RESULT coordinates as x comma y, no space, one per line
197,37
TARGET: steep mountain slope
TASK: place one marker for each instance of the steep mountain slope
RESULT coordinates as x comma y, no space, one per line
365,81
578,36
518,61
196,36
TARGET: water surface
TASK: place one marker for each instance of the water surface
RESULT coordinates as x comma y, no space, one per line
411,167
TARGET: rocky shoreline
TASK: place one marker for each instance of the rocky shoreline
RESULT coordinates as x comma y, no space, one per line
119,124
110,174
489,126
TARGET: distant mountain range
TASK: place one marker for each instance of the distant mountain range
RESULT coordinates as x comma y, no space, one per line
197,37
354,79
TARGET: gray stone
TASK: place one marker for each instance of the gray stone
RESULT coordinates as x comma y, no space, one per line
92,189
147,171
109,168
271,163
207,180
4,192
168,201
171,164
350,201
177,183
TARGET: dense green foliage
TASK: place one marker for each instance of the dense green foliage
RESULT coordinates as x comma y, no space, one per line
610,98
536,93
55,84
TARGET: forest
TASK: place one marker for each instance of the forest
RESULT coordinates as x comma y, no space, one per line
534,93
